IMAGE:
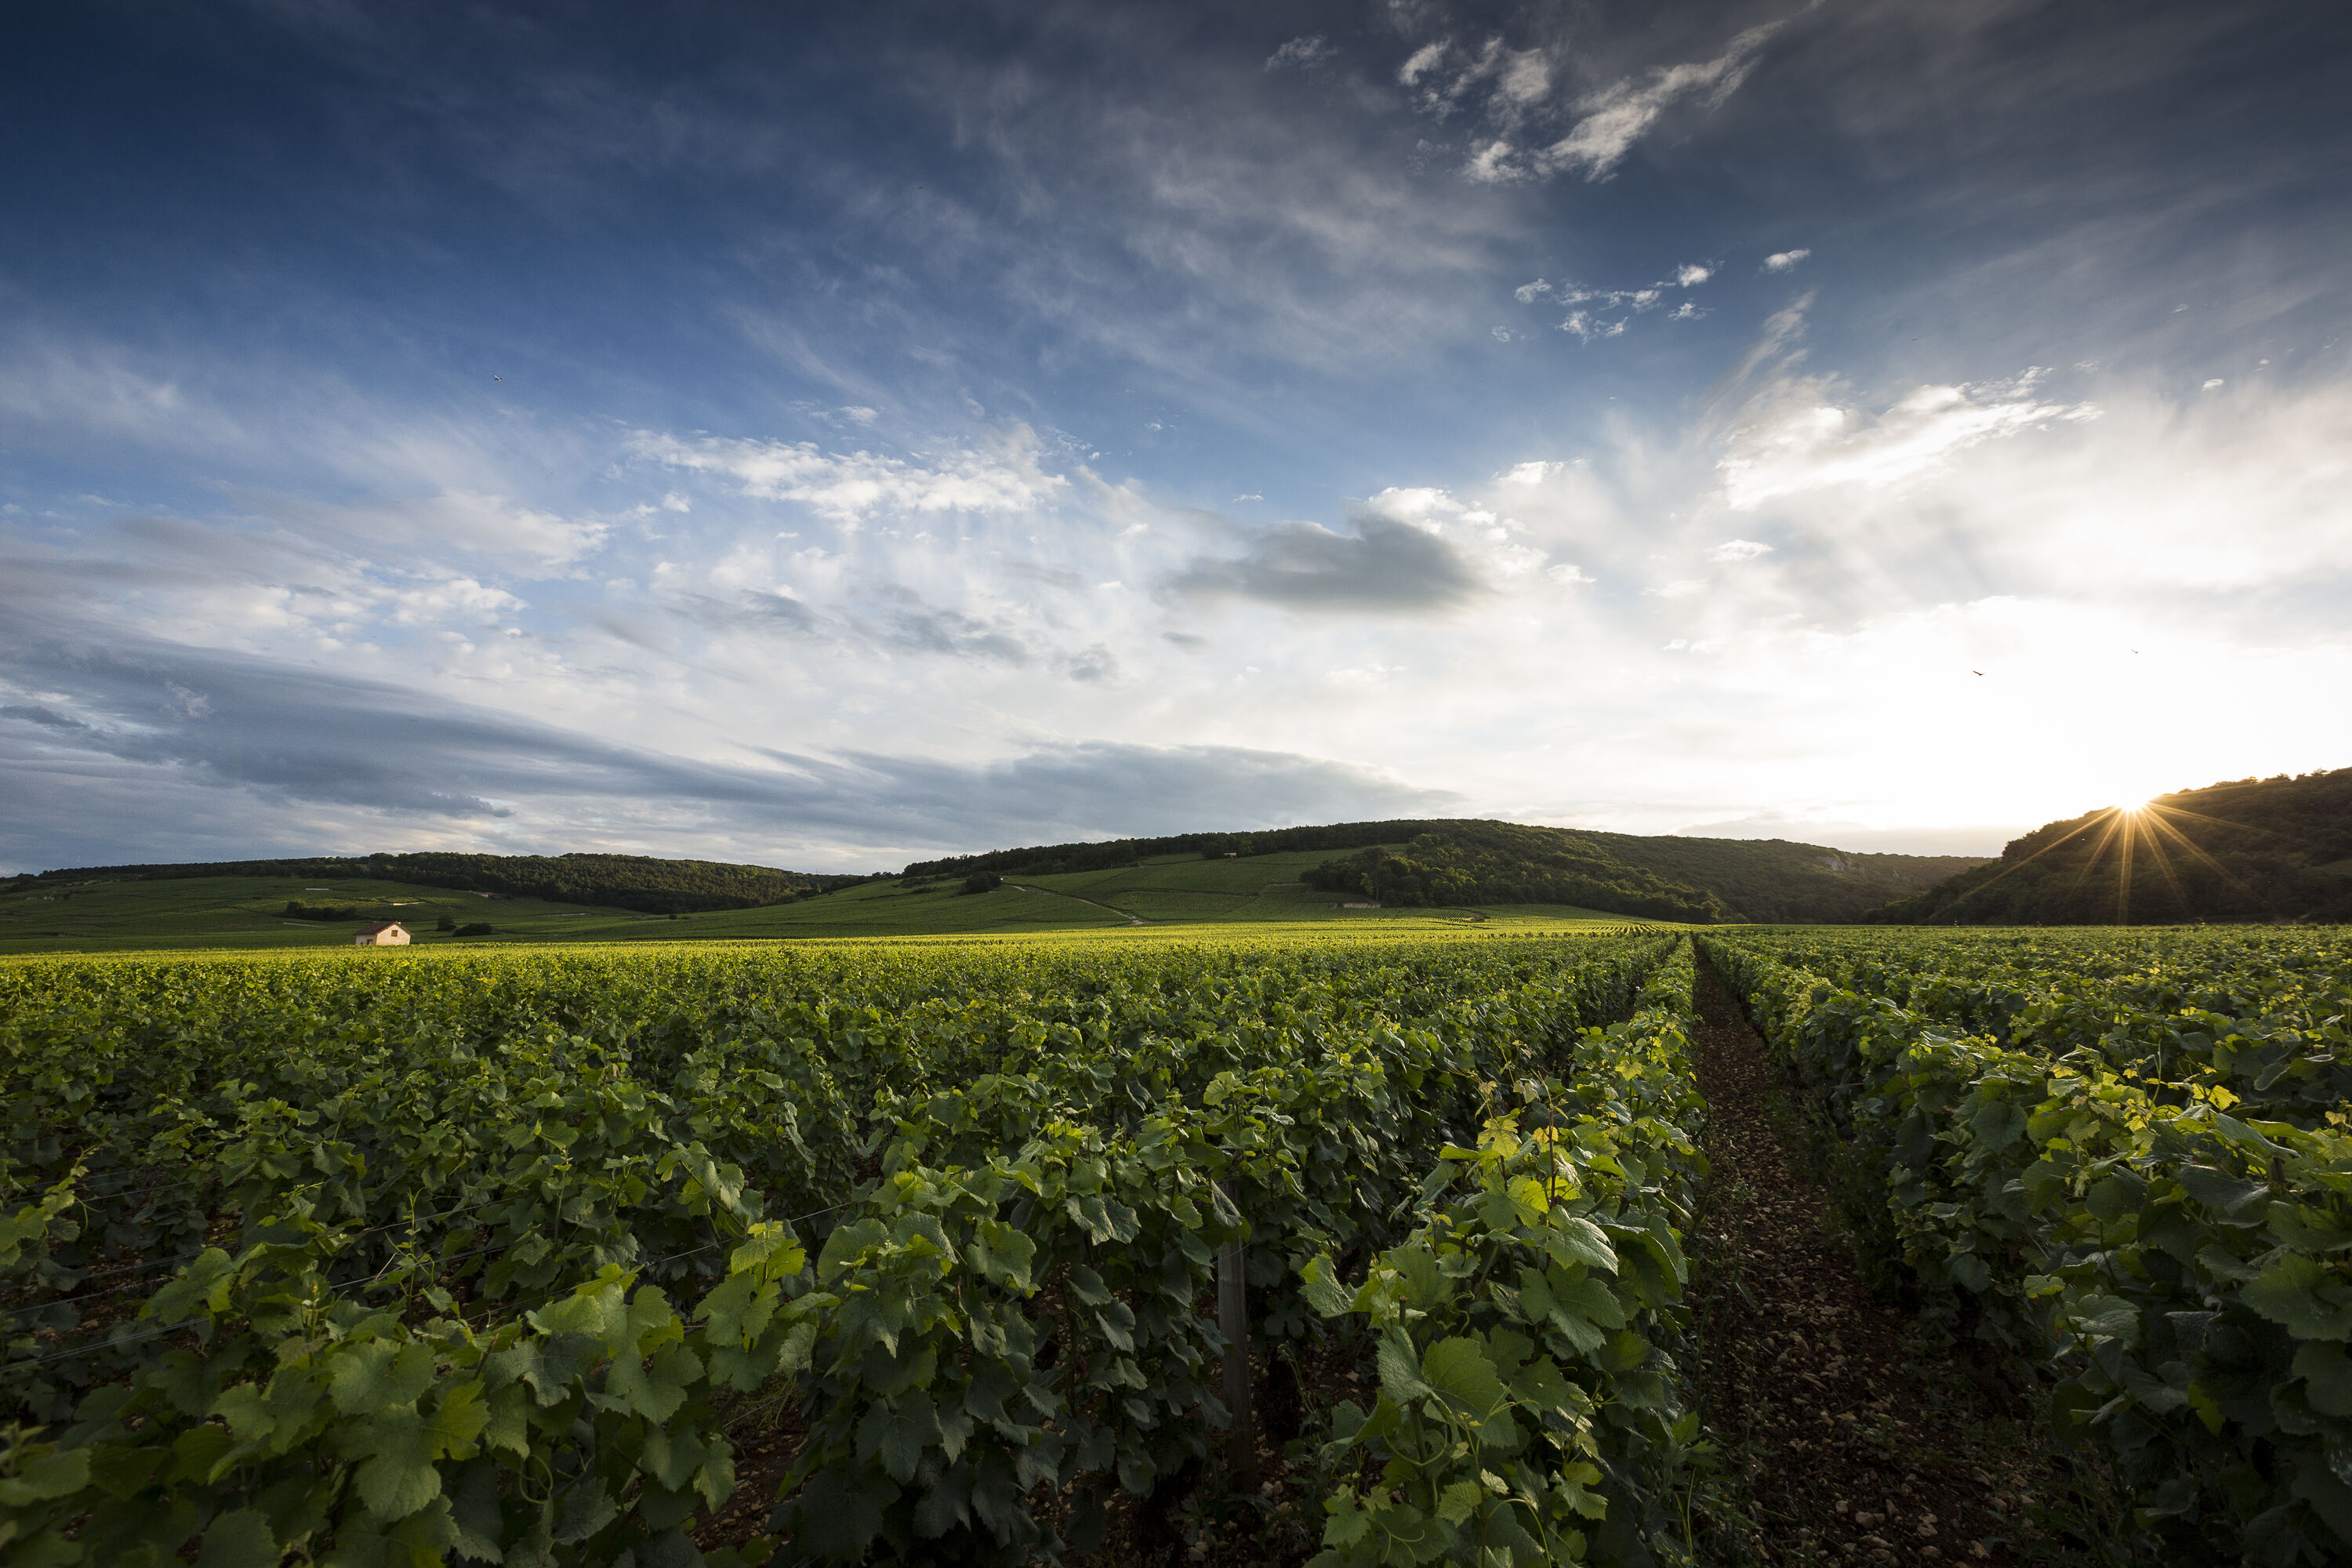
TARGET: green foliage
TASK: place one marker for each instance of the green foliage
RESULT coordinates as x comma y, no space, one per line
295,909
423,1232
1531,1410
2051,1122
578,1431
2256,850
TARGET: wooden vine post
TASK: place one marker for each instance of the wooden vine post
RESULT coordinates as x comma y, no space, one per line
1232,1321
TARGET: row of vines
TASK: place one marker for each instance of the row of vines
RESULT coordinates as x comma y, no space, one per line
2125,1156
432,1258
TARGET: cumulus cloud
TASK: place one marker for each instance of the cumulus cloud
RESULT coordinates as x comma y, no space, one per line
1739,549
1785,260
1692,277
1384,564
1409,549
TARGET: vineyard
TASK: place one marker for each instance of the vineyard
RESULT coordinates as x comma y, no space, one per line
496,1257
2125,1158
479,1258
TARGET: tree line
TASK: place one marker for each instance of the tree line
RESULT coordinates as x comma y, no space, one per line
2251,849
1504,863
616,881
1050,860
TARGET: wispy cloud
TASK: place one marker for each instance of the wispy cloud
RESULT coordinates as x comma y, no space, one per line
1590,320
1305,53
216,735
849,487
1802,440
1610,122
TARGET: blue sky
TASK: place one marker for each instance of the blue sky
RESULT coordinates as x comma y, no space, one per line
832,436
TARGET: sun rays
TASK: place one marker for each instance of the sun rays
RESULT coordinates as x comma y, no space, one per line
2144,833
2141,845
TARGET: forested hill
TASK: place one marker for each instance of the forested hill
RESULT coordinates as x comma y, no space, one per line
1468,861
1778,881
616,881
2274,848
1050,859
1769,880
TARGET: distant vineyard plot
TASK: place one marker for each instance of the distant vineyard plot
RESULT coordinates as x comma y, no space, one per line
234,912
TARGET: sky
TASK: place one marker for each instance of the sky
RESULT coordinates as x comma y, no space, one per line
828,437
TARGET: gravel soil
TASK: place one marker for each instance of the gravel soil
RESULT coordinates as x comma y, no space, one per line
1852,1433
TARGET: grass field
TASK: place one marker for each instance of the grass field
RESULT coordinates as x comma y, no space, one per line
1168,896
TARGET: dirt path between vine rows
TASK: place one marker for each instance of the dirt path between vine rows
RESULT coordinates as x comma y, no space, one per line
1857,1433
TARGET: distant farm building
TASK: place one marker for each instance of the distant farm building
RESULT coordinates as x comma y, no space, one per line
381,933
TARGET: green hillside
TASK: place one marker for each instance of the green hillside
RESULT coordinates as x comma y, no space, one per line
1775,881
1504,863
101,915
620,881
1466,862
1117,854
1767,881
2247,850
1453,871
2253,849
240,913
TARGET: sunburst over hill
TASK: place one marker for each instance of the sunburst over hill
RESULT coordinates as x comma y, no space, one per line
2277,848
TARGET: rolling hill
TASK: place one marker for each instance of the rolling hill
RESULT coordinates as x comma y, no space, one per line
1415,870
638,882
2253,849
1468,861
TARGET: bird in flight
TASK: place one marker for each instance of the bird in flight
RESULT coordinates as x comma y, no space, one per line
498,378
1975,672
